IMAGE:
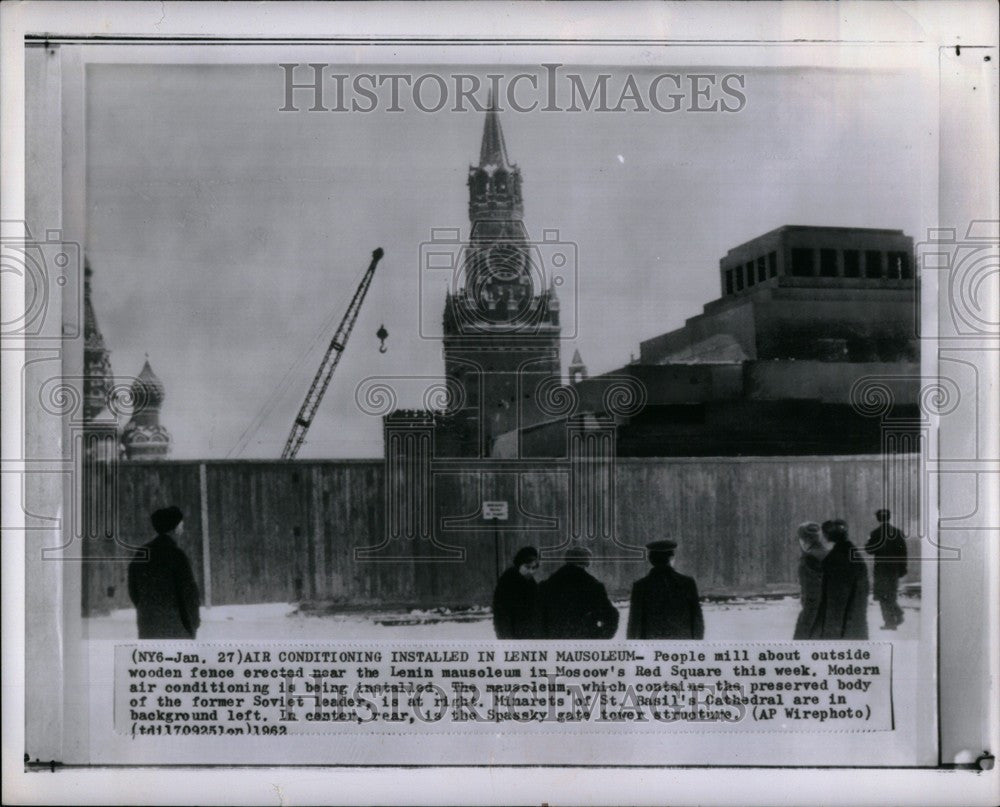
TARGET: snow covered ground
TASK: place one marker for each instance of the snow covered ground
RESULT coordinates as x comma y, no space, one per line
748,619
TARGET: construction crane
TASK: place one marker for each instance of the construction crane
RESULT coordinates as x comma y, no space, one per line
330,360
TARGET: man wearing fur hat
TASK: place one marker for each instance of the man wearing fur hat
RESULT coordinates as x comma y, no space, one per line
573,604
664,603
515,606
161,583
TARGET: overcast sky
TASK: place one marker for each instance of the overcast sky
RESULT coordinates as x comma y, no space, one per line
226,237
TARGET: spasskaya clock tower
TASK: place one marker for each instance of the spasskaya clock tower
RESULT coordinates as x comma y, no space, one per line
501,322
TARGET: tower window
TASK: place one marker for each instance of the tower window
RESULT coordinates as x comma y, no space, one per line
739,278
802,262
828,263
906,267
772,264
761,270
729,281
852,263
899,266
893,268
873,263
751,279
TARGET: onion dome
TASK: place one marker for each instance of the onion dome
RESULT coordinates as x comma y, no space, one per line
144,437
148,388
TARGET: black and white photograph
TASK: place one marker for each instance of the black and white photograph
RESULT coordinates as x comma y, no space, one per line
334,388
608,390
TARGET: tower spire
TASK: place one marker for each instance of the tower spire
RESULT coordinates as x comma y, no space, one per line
493,151
577,369
495,184
98,377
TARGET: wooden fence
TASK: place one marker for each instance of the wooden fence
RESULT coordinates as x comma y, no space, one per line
289,531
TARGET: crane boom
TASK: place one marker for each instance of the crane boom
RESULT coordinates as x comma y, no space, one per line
330,361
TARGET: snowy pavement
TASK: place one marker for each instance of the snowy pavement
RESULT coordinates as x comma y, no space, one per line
748,619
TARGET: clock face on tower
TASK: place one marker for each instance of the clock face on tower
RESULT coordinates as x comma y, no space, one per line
500,286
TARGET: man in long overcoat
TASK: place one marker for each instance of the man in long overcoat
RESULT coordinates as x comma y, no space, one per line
843,610
573,604
162,585
515,599
665,603
887,545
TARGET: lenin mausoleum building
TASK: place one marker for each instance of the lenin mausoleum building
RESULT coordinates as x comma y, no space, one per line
810,320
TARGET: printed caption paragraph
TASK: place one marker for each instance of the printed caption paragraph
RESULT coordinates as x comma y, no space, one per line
282,689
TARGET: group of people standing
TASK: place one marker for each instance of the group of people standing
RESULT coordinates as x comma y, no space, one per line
834,579
573,604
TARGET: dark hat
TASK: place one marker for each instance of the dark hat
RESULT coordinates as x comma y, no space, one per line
883,513
578,555
660,553
525,554
166,519
835,529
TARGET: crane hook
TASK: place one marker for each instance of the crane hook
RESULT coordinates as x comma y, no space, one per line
382,334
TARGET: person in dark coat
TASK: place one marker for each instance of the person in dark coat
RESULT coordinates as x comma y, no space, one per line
664,603
573,604
887,545
515,599
843,610
162,585
810,577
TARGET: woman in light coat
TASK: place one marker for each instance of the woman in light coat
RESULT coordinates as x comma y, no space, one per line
813,552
